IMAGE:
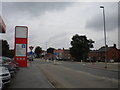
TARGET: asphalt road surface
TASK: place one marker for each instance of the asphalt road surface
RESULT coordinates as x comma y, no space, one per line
95,71
47,74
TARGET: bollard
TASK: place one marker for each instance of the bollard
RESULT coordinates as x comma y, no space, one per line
54,62
47,60
81,61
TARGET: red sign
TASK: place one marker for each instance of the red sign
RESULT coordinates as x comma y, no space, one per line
20,51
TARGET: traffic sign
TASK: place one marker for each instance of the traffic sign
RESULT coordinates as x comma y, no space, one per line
55,54
23,45
31,48
30,53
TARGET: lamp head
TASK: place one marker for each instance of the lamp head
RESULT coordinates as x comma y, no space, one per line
101,6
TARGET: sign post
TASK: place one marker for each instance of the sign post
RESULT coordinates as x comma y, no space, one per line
31,53
20,51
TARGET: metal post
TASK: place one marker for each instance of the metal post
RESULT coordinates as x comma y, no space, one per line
104,34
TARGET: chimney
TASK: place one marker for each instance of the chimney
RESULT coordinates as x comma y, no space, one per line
106,45
114,45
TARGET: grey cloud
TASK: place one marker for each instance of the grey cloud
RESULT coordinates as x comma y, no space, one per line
59,41
59,44
57,37
96,22
34,8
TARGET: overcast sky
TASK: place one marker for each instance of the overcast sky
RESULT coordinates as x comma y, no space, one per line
54,23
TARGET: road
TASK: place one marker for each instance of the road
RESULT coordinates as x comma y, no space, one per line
43,74
95,71
75,75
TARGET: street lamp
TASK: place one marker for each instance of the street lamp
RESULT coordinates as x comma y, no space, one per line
104,34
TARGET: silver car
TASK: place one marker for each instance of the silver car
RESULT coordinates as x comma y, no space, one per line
5,75
1,84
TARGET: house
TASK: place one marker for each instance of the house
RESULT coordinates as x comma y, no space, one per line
67,55
94,55
112,53
59,54
62,54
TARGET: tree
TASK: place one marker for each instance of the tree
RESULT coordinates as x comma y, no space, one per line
80,47
38,51
50,50
10,53
4,47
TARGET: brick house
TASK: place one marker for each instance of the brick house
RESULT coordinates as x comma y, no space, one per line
59,54
112,53
62,54
67,55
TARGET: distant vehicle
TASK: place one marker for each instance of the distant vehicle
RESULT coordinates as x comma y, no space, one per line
5,75
111,61
59,58
30,58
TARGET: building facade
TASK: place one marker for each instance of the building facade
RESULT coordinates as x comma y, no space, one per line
112,53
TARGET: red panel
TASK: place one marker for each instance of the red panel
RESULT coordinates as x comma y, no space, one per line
21,40
21,61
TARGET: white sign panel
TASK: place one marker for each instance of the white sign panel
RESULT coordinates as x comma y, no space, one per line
20,49
21,32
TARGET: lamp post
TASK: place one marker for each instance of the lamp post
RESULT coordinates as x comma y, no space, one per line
102,7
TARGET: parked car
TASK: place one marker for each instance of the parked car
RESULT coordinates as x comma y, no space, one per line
5,75
16,64
111,61
9,65
11,69
1,85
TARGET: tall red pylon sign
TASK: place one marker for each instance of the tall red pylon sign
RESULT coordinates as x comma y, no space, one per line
20,46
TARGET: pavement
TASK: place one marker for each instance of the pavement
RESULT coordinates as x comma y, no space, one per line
30,77
101,65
